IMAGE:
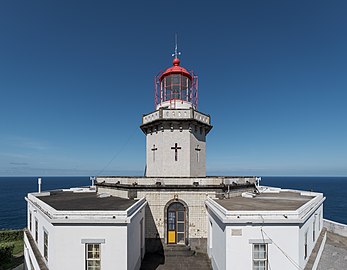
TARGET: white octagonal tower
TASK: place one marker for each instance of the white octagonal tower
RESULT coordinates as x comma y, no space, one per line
176,131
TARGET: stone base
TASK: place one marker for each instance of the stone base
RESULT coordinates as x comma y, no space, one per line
199,245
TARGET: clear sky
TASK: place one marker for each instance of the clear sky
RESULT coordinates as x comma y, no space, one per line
76,77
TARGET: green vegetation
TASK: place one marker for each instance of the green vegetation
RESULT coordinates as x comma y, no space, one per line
11,248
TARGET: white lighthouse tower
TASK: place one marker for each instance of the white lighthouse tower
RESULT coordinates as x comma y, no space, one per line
176,131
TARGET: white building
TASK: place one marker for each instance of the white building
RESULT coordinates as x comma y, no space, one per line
80,229
274,229
174,204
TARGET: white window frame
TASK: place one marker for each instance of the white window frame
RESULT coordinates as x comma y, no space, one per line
30,220
314,230
93,259
260,259
210,233
305,245
36,230
45,244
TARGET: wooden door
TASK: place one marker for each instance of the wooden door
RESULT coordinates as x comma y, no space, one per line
176,224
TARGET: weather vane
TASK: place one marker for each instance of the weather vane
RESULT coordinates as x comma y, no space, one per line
176,54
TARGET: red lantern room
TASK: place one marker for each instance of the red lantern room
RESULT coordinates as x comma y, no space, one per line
176,88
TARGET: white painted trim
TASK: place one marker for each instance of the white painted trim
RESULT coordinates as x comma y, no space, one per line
54,216
260,241
319,253
297,216
93,241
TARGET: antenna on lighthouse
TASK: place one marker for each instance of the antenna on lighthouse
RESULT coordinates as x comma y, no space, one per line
177,53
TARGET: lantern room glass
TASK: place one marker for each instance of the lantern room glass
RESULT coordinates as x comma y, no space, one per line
176,86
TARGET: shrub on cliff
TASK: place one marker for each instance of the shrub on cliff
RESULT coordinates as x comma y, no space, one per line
6,250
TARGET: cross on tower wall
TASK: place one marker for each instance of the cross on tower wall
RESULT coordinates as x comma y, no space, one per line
174,146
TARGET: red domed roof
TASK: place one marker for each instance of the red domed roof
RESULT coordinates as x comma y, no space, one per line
176,69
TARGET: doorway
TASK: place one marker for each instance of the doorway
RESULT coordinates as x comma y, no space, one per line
176,223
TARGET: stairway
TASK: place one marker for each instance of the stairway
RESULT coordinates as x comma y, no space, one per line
178,250
176,257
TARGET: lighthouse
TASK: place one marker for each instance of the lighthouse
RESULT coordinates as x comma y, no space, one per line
176,131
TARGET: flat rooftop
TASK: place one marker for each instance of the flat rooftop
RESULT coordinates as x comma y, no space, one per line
84,201
272,201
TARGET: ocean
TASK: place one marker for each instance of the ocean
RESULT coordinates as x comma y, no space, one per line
14,189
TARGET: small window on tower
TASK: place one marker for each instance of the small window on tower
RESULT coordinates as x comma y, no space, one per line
200,130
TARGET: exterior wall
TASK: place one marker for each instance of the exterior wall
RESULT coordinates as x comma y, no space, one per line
122,244
335,227
43,225
187,138
155,220
238,253
198,158
68,245
284,235
136,241
217,244
317,216
148,181
29,258
66,250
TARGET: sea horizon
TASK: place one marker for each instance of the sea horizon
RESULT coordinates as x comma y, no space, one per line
13,193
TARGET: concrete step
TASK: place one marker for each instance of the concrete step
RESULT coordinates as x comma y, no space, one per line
178,250
154,261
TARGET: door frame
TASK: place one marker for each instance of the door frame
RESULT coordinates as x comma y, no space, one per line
186,225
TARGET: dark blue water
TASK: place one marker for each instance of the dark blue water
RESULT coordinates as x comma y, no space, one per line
333,188
14,189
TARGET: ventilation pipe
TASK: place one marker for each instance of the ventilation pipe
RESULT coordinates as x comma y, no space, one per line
39,183
92,178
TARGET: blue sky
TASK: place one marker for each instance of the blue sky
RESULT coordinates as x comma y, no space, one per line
76,77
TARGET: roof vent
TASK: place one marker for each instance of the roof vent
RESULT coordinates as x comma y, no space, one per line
248,195
104,195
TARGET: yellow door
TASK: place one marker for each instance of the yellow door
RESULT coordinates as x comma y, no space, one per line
172,237
171,228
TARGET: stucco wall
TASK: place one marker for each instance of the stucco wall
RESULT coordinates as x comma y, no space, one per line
239,247
120,243
217,244
67,244
285,242
164,164
136,241
317,216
